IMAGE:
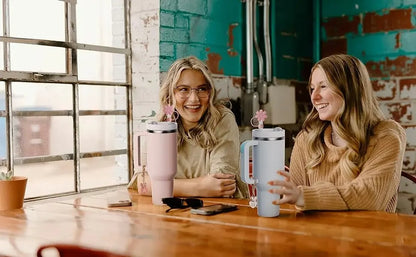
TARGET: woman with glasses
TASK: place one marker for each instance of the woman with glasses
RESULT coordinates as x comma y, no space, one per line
208,135
348,156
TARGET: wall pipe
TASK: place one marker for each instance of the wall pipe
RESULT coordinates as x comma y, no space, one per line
267,43
249,96
249,45
316,30
257,47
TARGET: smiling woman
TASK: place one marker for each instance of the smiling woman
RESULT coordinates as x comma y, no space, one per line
348,156
208,135
191,106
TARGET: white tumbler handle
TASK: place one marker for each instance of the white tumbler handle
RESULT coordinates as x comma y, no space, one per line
244,160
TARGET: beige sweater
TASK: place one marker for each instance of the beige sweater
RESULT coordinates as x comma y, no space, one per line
224,157
375,188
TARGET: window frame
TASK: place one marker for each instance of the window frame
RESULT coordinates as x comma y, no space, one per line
69,77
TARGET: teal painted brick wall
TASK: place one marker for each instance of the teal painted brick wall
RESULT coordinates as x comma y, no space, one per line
381,29
214,31
208,29
292,38
337,8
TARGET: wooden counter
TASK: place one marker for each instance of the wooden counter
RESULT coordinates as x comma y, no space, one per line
147,230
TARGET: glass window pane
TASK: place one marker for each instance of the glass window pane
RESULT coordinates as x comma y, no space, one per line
40,19
47,177
100,22
1,19
42,135
102,98
102,133
1,56
35,96
101,66
2,123
3,146
111,170
2,96
37,58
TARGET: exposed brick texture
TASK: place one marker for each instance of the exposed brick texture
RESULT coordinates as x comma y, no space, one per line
398,67
339,26
333,46
408,88
395,19
385,89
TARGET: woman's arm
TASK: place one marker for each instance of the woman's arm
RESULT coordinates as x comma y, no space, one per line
225,155
211,185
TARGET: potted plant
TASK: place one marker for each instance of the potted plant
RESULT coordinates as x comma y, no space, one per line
12,190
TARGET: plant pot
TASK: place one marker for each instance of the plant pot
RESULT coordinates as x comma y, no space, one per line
12,193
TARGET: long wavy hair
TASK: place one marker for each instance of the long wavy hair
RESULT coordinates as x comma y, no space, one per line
355,121
203,133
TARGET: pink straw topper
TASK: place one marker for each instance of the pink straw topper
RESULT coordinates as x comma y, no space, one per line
258,119
169,110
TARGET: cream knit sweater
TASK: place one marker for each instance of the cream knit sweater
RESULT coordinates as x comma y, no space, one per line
224,157
375,188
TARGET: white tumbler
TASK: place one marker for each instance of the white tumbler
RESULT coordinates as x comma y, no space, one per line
268,157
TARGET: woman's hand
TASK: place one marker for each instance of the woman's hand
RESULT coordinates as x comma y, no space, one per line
288,191
216,185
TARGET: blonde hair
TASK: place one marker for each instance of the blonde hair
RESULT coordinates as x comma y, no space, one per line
360,113
203,133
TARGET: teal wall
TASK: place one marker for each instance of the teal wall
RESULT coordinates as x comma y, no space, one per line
371,30
292,37
214,31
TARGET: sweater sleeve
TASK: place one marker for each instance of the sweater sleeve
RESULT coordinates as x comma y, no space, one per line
376,183
297,162
225,155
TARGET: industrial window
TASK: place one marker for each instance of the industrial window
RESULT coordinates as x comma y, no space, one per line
65,94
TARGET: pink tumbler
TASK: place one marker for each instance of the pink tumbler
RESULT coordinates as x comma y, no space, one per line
161,158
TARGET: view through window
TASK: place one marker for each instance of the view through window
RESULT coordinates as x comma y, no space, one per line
65,94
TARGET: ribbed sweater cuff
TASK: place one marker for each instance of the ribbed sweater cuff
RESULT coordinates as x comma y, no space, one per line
321,198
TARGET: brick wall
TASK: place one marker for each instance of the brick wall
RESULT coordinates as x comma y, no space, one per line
145,24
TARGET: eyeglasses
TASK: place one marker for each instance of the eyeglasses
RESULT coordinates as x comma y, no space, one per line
185,92
182,203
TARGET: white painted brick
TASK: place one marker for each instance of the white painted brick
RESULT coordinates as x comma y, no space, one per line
386,89
143,79
411,136
145,95
144,5
146,111
234,92
145,64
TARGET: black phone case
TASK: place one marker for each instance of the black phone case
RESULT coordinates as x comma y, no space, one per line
214,209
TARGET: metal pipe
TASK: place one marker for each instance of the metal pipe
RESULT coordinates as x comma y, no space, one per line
316,30
249,45
257,47
267,44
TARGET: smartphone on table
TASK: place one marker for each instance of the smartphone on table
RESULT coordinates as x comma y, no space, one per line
214,209
118,201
